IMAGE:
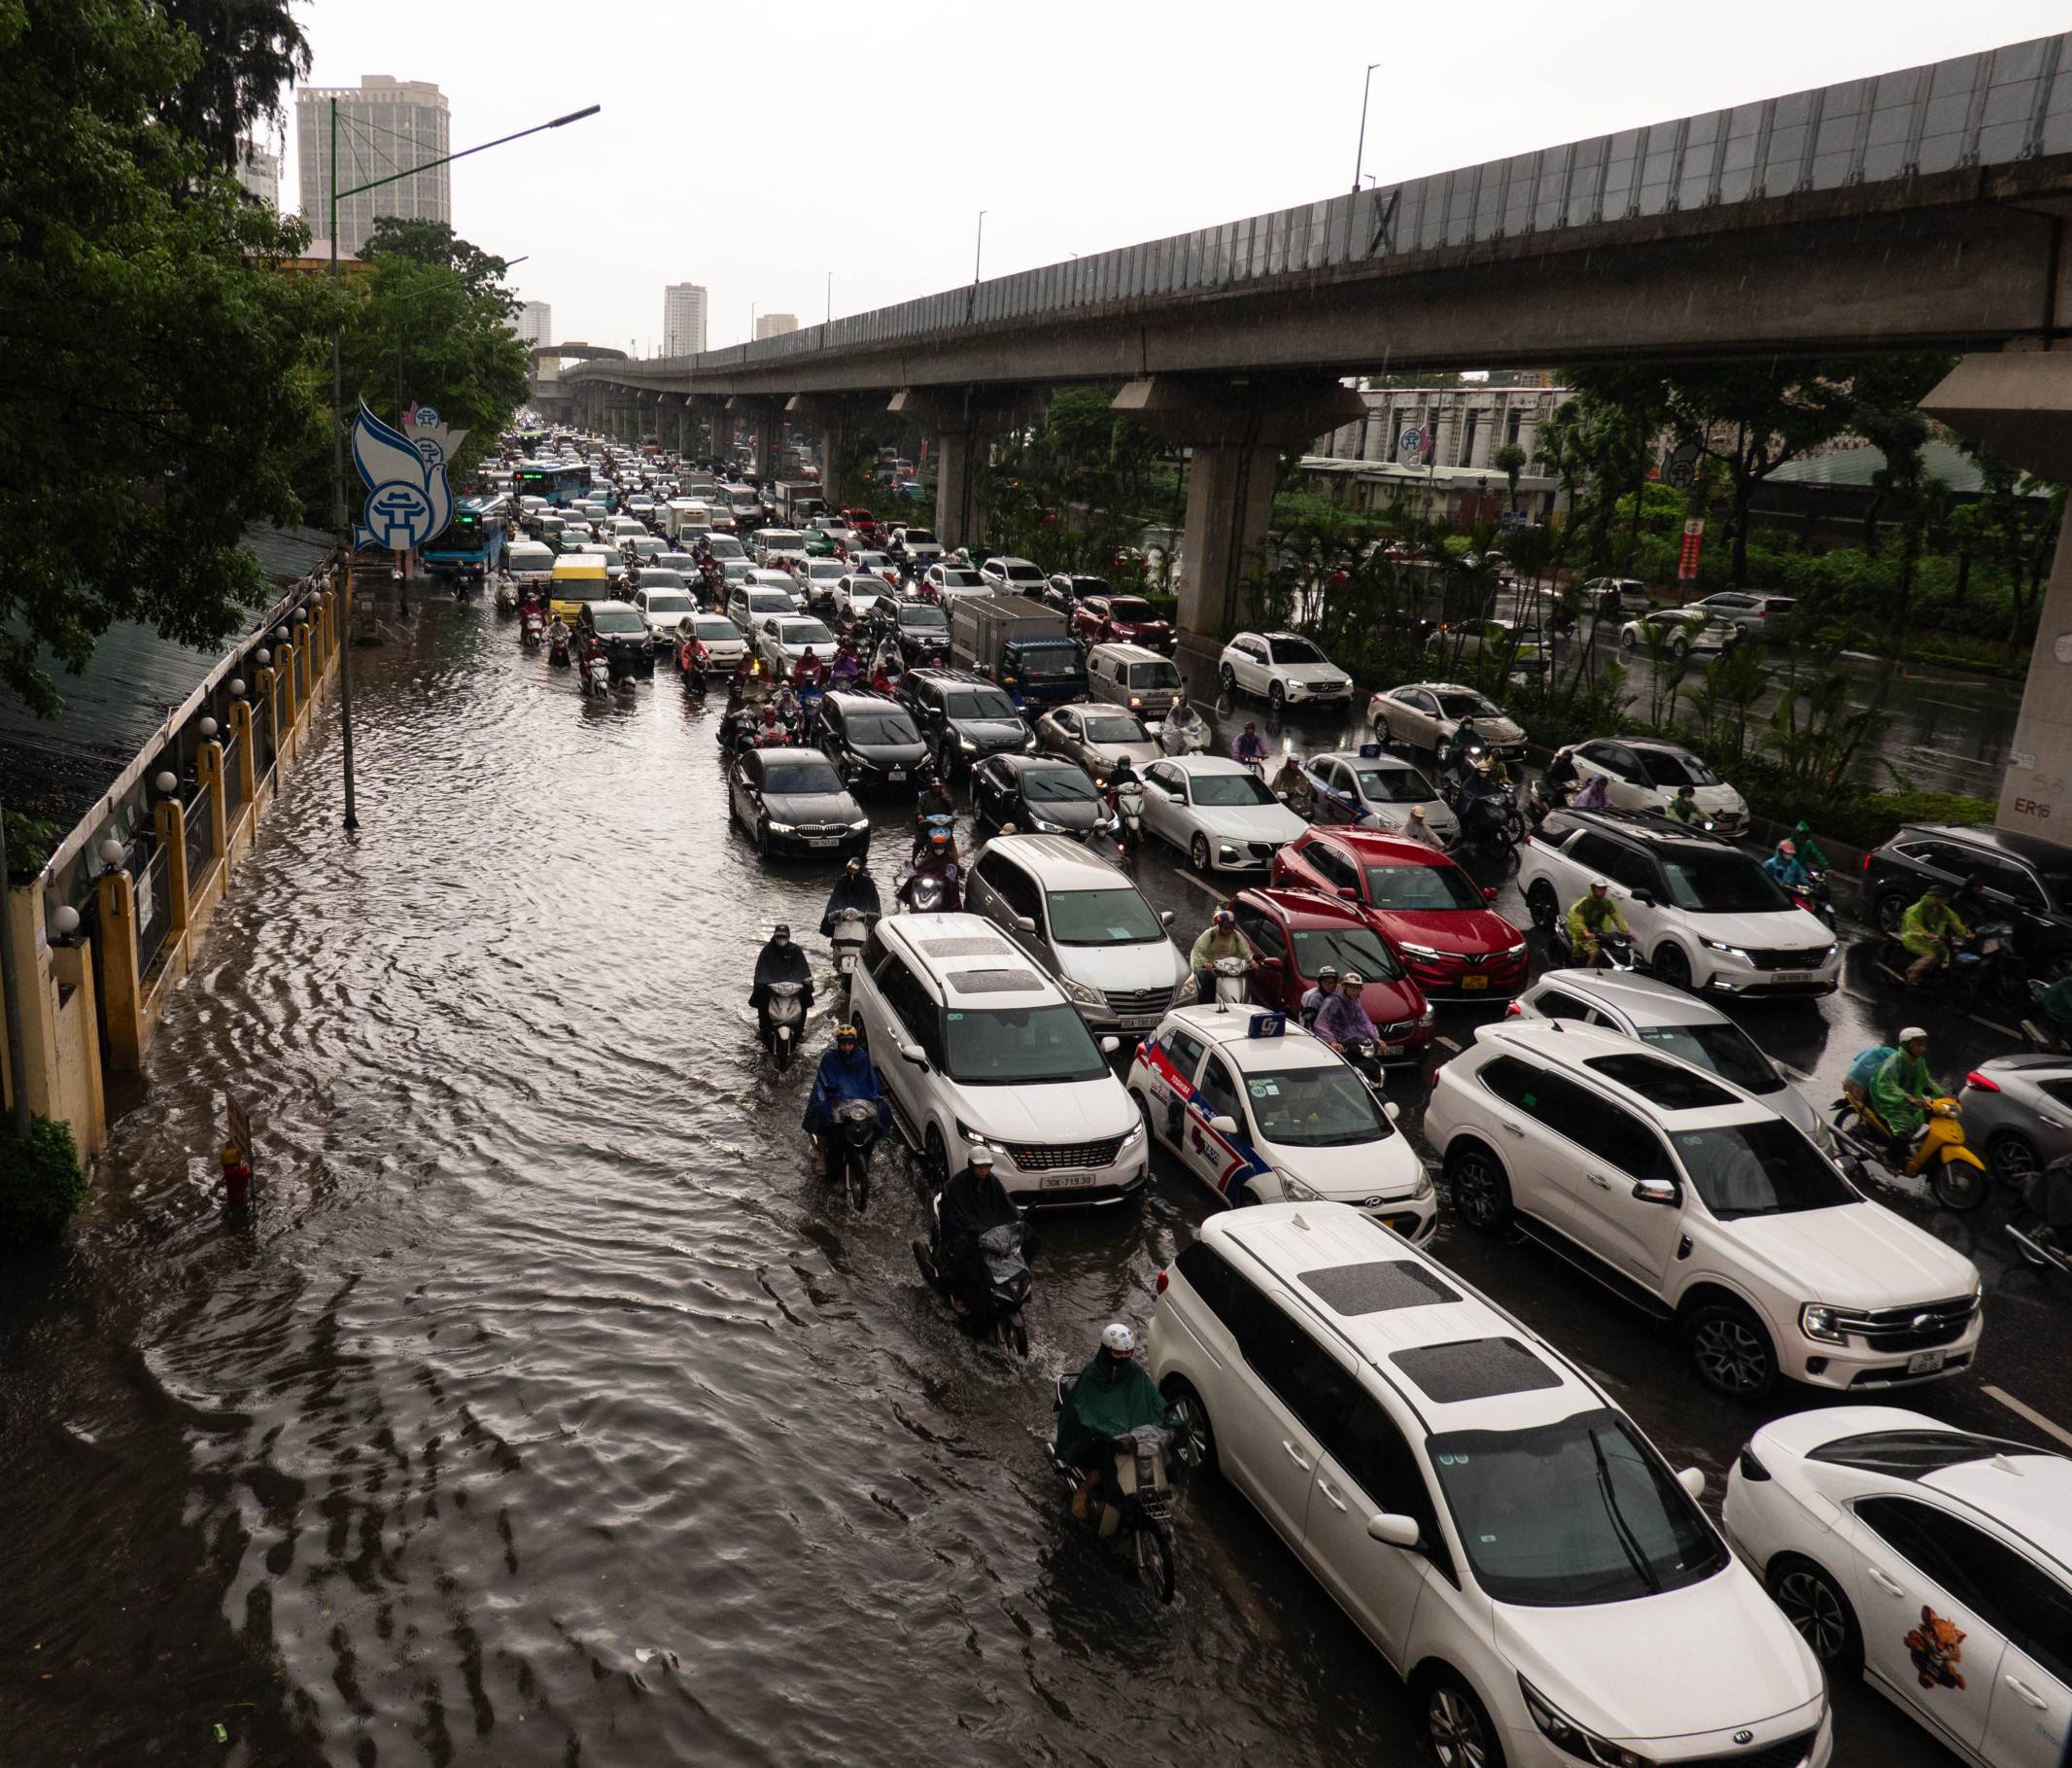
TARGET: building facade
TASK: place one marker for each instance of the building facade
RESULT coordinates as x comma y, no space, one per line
535,324
683,319
1460,425
384,125
260,172
776,324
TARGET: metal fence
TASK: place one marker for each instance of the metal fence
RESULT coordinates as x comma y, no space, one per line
234,780
200,835
262,739
1995,108
155,908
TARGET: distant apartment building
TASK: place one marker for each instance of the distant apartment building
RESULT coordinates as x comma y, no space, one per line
385,125
776,324
535,324
260,172
683,319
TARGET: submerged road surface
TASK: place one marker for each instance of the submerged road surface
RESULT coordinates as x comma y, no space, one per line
547,1410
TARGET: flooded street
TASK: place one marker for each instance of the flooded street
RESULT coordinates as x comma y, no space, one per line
549,1411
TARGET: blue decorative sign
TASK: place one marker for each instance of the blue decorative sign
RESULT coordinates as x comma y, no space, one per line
408,501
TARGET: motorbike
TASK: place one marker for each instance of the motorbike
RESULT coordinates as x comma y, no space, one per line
695,664
1485,827
924,893
593,672
1255,766
1955,1173
557,650
1614,950
1815,898
926,824
1983,968
532,628
1136,1498
995,1314
851,929
1186,731
2039,1030
1127,802
784,1018
2041,1226
1230,974
1540,799
506,595
1366,1059
851,1134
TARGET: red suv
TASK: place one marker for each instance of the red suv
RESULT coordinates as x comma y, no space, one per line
1433,916
865,524
1298,932
1121,620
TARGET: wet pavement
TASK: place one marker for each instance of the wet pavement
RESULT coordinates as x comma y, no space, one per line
546,1411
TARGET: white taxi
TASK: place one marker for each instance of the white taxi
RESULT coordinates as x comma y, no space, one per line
1262,1112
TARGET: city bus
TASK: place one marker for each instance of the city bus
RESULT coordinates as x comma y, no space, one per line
558,481
472,543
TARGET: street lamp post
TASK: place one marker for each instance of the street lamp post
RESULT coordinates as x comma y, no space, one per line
978,251
338,518
1359,154
831,297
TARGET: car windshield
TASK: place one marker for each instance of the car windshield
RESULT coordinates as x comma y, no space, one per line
781,539
1571,1513
1153,674
919,537
1229,790
1020,1047
801,777
1135,611
1759,1169
1344,949
982,702
1326,1106
1725,1049
1393,785
1468,705
716,629
1444,887
826,570
864,590
618,620
1051,662
1294,650
804,632
1057,785
924,618
881,727
1023,574
1102,917
723,546
1665,767
1721,882
670,602
1115,730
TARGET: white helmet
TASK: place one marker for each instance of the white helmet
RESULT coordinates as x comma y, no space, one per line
1120,1340
1908,1036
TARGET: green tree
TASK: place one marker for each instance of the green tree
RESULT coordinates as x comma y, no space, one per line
249,51
1510,461
150,401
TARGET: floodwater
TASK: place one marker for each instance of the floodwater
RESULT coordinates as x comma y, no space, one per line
546,1411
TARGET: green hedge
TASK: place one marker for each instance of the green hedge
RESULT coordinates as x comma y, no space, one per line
40,1183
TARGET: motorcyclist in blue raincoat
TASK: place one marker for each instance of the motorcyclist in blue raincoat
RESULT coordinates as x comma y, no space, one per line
844,1073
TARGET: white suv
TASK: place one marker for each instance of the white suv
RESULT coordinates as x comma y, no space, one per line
1084,923
1260,1111
1507,1539
1704,914
972,1045
1013,576
1282,667
1692,1198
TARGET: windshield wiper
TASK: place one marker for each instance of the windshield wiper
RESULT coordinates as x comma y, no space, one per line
1629,1546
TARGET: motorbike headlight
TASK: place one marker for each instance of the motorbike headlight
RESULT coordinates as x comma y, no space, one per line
859,825
1816,1320
784,828
1571,1738
1295,1190
1080,992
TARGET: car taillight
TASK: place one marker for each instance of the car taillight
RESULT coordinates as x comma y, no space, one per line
1158,1285
1866,862
1512,1009
1982,1082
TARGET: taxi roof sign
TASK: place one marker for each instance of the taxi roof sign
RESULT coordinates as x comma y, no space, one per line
1266,1025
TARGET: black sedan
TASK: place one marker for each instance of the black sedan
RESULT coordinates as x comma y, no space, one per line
792,801
921,629
872,741
1039,794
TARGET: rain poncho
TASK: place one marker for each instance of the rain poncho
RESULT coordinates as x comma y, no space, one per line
776,963
845,1077
852,891
1898,1076
1219,942
1925,928
1111,1396
1591,915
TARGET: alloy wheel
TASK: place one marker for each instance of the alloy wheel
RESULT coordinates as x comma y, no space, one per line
1199,853
1730,1355
1454,1729
2011,1157
1478,1190
1811,1604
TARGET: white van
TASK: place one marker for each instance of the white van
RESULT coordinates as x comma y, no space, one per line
531,563
1130,674
973,1044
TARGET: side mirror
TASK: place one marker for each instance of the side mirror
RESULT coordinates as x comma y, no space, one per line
1645,898
1395,1531
1110,1045
1657,1191
1489,892
1165,918
1393,1110
1692,1480
1350,892
1026,922
1224,1125
1273,963
1153,728
915,1053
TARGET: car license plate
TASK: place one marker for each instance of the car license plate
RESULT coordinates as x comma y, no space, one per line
1063,1181
1474,982
1794,976
823,841
1926,1363
897,772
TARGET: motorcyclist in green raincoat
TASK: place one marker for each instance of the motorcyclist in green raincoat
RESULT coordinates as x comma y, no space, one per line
1113,1396
1901,1087
1930,931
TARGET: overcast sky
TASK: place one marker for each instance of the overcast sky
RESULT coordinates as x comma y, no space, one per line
755,148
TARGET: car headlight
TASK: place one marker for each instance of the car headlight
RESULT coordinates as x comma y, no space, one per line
967,746
1517,950
1042,827
1425,1017
859,825
1417,950
1828,956
1726,946
1816,1320
1080,992
1294,1189
1424,1187
1571,1738
784,828
1029,742
1135,1136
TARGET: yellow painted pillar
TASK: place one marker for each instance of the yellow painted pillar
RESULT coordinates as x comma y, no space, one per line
208,770
247,761
284,666
171,820
121,980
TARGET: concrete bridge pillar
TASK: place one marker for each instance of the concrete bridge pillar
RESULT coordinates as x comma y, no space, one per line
2018,403
1236,429
762,415
837,420
963,420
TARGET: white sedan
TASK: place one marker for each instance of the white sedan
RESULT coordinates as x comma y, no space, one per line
1646,774
857,593
782,642
1097,736
1216,813
1376,792
1687,631
1283,668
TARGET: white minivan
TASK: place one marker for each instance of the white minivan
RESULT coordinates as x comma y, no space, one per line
1130,674
973,1044
1482,1511
531,564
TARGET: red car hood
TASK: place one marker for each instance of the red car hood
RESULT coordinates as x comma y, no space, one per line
1450,930
1385,1003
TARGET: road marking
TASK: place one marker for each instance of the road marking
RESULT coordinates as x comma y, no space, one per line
1447,1043
2030,1413
1990,1025
1200,884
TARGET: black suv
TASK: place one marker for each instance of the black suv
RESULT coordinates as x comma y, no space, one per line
2026,877
922,629
963,717
871,740
623,631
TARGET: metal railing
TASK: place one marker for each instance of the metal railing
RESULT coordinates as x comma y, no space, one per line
200,835
155,909
234,780
263,738
1995,108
